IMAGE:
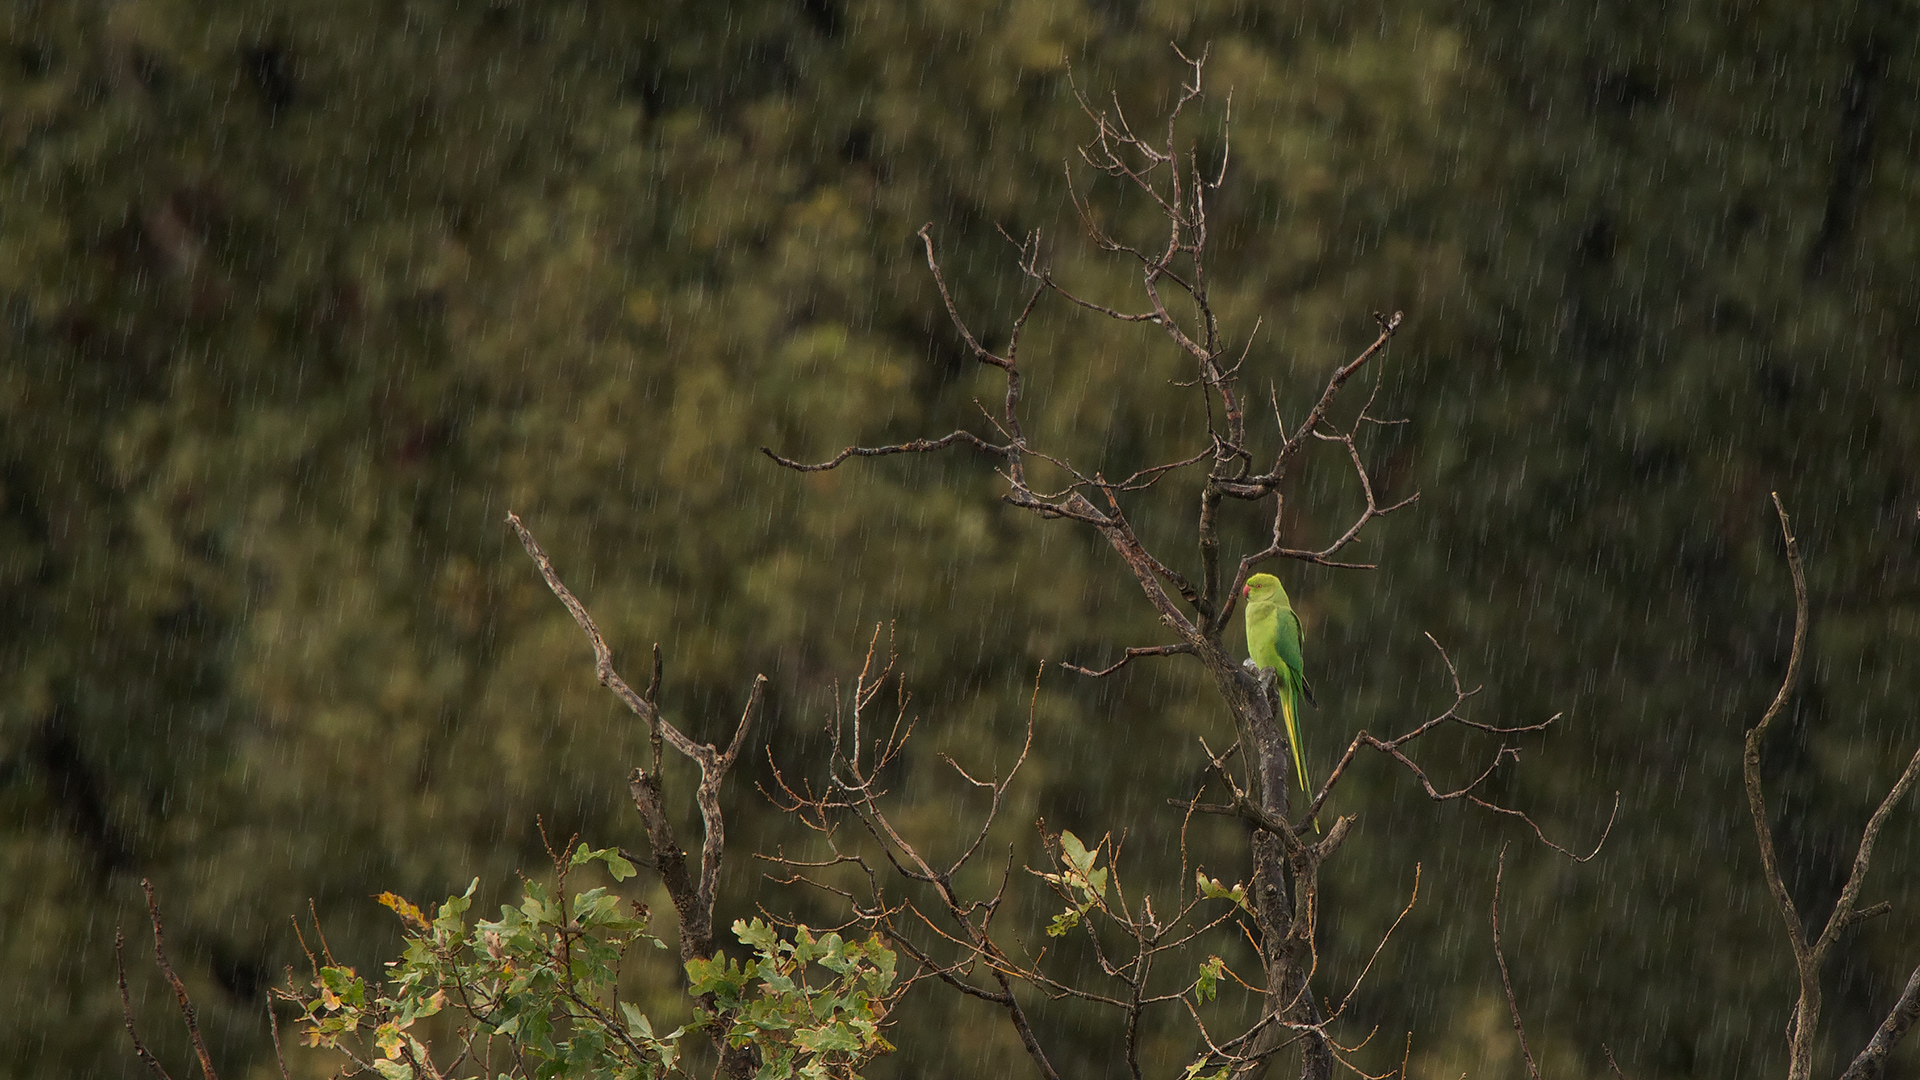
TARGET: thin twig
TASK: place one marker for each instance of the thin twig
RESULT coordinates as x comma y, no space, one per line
1506,982
126,1008
1605,832
915,446
279,1054
187,1011
1132,654
1807,1009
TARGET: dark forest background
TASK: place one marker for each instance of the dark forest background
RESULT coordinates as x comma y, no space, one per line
301,297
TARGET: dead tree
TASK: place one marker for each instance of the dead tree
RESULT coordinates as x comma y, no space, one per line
1196,610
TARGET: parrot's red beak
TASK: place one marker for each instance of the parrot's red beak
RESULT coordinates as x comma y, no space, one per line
1246,590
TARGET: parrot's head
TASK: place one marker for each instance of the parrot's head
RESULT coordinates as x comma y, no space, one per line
1265,588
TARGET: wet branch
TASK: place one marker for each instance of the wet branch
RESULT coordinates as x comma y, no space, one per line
1506,981
126,1009
1871,1064
1395,749
852,790
693,901
1808,957
188,1014
1131,655
1282,894
916,446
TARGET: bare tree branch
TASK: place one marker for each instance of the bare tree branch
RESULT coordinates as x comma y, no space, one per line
1606,831
1803,1027
1131,655
1844,913
1389,326
916,446
187,1012
602,655
126,1008
692,901
1506,981
1871,1064
1807,1010
279,1054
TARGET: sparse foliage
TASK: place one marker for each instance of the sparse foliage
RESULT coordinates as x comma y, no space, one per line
535,993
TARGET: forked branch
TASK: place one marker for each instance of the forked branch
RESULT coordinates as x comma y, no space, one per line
852,788
693,901
182,1000
1170,176
1808,957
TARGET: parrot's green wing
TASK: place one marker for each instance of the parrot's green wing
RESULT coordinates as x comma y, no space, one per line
1287,639
1299,665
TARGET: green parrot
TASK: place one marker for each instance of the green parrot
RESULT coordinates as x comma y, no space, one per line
1273,640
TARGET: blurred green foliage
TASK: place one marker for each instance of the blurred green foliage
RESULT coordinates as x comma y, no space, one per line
300,298
537,993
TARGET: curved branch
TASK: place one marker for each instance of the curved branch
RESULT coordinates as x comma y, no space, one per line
917,446
1393,749
602,655
693,900
1806,1011
1506,981
1612,816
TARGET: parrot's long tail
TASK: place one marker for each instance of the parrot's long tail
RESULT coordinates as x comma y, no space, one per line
1293,740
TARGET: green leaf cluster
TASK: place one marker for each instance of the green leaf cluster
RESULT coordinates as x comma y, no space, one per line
536,994
1081,882
811,1005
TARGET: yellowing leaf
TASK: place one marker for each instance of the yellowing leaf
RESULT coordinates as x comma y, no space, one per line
404,908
